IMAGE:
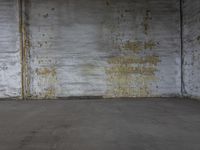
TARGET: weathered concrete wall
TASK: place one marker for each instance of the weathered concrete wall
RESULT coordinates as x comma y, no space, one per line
191,47
110,48
10,68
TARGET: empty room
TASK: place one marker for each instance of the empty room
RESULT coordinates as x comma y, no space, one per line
99,75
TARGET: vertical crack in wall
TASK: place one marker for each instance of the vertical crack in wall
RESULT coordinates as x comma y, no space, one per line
183,91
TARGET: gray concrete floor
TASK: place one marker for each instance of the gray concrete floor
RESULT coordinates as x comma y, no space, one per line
139,124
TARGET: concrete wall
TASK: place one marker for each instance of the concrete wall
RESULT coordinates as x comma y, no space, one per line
120,48
10,69
110,48
191,47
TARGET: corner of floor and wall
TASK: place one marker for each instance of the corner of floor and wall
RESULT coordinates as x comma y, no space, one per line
95,48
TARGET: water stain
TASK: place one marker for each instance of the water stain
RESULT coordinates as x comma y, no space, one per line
46,15
198,39
107,3
146,21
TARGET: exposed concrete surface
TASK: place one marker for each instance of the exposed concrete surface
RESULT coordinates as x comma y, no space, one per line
10,68
191,47
111,48
144,124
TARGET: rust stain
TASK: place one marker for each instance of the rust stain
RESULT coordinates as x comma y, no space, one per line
131,73
46,71
26,45
130,76
21,30
49,93
134,60
149,45
47,82
133,46
127,69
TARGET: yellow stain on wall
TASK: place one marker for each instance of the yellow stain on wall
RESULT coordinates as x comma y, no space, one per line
46,71
130,76
47,79
153,60
135,46
49,93
127,69
149,45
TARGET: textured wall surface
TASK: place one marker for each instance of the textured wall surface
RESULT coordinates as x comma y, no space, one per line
10,68
110,48
191,47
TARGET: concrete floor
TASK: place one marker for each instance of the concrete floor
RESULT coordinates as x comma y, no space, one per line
140,124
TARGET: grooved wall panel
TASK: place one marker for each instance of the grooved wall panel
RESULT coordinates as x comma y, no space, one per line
10,68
